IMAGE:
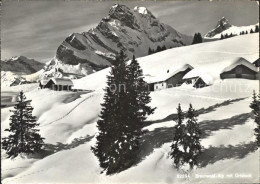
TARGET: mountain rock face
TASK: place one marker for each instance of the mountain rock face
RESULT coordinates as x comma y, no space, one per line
133,31
221,26
224,27
21,65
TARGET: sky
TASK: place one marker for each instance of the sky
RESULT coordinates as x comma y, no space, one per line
35,29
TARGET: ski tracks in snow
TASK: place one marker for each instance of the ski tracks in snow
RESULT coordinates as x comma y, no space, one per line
62,117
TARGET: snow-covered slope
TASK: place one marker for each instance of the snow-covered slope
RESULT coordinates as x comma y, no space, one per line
132,31
228,130
212,57
224,27
15,71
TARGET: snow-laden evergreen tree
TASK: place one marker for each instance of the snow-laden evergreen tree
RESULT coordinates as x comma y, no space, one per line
137,105
123,112
110,141
138,89
255,106
24,138
193,136
178,146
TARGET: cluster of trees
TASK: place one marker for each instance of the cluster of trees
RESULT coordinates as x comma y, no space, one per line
158,49
197,38
226,36
23,138
123,113
186,146
255,106
241,33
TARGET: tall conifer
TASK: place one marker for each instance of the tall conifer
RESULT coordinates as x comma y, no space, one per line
24,137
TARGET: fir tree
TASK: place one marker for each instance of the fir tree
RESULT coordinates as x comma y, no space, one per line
246,32
177,148
200,40
193,135
139,88
226,35
109,141
251,31
24,137
122,116
256,29
164,48
159,49
255,106
150,51
197,38
136,109
222,37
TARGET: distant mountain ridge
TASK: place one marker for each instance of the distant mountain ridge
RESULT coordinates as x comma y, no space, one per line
133,31
224,27
21,65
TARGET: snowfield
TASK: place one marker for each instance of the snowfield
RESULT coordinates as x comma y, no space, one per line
229,153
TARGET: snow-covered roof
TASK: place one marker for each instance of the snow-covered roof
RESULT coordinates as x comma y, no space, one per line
62,81
44,82
199,73
172,72
240,61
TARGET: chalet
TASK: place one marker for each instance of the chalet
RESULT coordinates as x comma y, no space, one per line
198,78
257,63
43,83
172,78
59,84
239,68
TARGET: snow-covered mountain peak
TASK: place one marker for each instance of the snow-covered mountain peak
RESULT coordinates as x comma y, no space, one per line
17,59
143,11
132,30
221,26
223,23
118,10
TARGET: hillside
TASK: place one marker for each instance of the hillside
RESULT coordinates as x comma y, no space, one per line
210,55
70,119
21,65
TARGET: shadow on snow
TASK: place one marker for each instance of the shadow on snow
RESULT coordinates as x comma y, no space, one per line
155,139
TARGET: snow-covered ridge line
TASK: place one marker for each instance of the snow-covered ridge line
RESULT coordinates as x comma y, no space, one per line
224,27
201,56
